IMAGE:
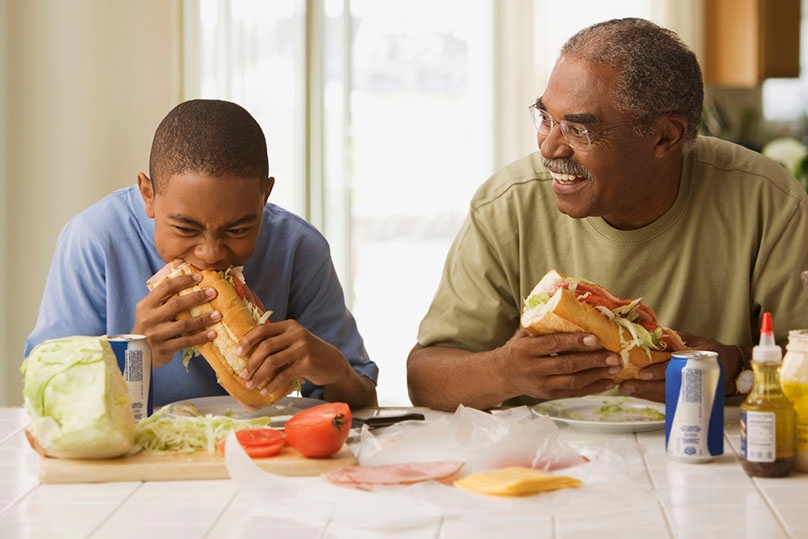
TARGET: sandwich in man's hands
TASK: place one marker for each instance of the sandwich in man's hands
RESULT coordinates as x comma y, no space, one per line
241,311
562,304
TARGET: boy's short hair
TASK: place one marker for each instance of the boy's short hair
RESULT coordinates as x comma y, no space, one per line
208,136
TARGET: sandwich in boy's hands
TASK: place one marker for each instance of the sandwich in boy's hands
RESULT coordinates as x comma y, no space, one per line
240,311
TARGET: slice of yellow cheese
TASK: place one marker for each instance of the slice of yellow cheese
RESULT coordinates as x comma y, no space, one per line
514,481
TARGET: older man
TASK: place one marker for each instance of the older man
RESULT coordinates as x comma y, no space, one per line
626,194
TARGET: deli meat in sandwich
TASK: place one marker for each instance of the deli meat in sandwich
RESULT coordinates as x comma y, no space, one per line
241,311
562,304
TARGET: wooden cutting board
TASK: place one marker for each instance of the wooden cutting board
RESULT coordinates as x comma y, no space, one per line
181,467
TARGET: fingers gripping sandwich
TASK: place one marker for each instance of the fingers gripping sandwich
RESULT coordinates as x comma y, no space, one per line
241,311
562,304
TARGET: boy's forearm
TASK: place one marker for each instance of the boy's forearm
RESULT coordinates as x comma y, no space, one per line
354,389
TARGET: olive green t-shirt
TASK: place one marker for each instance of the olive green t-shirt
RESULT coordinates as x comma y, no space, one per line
731,247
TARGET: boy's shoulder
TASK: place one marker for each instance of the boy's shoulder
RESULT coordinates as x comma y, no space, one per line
123,204
288,223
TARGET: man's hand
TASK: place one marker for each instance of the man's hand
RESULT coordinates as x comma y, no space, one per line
651,384
156,317
557,365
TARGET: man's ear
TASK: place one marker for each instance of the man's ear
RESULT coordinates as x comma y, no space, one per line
670,133
147,192
270,185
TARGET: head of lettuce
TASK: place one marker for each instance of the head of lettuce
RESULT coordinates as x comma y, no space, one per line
77,399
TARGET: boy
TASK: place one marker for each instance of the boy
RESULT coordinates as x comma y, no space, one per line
206,202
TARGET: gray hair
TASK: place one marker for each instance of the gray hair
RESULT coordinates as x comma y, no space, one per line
657,73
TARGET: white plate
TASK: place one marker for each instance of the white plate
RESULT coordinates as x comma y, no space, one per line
605,414
280,411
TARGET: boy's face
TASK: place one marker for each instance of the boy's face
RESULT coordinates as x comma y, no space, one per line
210,222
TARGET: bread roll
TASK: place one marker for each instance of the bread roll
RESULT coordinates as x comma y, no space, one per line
238,318
563,313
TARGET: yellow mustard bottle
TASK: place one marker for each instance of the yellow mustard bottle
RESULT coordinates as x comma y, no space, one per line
767,416
794,377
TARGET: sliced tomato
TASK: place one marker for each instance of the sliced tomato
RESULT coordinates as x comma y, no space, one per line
258,443
251,296
319,431
264,451
259,436
239,286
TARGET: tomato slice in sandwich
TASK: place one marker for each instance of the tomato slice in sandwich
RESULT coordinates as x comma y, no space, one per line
319,431
259,442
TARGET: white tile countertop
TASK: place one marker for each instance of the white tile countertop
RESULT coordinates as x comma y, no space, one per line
665,499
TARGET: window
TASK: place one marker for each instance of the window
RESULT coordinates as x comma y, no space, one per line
382,147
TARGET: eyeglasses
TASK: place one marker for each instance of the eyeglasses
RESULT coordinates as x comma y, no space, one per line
578,137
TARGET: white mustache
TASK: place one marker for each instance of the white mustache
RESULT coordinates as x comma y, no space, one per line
560,165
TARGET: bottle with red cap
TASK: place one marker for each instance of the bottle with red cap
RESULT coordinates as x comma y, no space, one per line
767,416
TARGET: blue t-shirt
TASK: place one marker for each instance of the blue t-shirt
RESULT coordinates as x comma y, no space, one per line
106,253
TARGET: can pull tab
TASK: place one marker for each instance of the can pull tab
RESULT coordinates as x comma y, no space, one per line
767,351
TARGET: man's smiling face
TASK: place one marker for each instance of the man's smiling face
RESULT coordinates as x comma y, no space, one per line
615,177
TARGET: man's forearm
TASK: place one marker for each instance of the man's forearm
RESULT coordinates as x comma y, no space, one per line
442,378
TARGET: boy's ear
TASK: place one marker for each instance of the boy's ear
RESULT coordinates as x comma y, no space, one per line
147,192
270,185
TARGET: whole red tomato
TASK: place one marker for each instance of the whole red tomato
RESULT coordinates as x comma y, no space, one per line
319,431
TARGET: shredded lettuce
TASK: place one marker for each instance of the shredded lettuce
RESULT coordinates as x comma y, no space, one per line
163,432
641,337
629,310
187,354
624,315
537,299
228,276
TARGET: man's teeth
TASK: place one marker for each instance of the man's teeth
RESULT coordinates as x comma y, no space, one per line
565,178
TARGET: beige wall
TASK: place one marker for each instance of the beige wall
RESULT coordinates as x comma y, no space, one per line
86,82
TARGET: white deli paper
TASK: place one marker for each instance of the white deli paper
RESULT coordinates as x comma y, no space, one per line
315,501
514,437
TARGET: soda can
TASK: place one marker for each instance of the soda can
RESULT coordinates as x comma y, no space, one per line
134,360
694,406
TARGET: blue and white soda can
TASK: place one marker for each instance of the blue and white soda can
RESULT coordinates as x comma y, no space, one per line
134,360
694,406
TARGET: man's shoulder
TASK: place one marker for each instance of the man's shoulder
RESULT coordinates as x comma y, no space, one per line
724,159
525,174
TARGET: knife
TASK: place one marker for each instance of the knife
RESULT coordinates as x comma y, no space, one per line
384,421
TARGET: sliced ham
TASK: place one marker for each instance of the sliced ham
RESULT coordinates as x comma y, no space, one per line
597,295
393,474
164,272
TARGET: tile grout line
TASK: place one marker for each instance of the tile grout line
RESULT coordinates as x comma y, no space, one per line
643,455
12,434
771,507
760,491
118,508
221,513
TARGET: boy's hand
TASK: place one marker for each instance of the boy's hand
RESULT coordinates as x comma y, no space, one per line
288,346
157,316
